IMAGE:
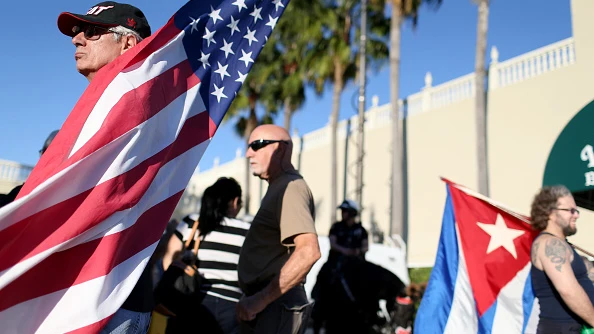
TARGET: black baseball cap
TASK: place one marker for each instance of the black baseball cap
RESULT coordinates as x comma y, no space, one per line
107,14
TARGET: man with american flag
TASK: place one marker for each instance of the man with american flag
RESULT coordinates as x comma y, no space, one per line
105,32
77,239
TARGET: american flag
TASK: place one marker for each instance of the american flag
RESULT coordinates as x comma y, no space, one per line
80,233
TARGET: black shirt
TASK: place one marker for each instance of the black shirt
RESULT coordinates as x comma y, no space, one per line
347,236
8,198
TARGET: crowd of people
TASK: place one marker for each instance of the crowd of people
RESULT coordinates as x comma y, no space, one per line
253,272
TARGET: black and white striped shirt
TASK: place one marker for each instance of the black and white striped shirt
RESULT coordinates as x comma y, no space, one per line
218,256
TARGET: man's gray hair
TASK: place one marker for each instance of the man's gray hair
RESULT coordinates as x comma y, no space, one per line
123,31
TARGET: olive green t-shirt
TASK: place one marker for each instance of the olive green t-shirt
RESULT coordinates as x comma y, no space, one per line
287,210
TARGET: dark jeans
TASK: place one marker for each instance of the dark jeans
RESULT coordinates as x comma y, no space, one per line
218,316
287,315
215,316
550,327
128,322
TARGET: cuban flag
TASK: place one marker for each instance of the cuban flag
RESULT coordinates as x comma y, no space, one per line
83,227
480,282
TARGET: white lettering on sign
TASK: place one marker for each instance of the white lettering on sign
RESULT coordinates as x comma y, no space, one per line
98,9
589,179
588,155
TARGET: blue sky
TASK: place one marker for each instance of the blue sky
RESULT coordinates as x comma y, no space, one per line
39,84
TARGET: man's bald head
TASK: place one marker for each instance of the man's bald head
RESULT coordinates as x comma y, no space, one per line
271,132
273,156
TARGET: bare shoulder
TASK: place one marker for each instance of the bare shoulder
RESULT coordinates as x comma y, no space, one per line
550,251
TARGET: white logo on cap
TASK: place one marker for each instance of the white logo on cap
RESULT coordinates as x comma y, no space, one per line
98,9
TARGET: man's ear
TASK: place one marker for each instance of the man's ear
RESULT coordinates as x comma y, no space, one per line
128,42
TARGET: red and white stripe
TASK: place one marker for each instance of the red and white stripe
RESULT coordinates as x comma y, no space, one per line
80,233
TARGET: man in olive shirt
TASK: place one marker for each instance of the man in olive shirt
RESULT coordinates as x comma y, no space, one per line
281,245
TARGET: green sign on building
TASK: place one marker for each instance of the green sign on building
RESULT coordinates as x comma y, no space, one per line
571,161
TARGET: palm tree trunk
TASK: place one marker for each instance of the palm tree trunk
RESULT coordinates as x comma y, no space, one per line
397,205
250,126
361,110
480,107
288,113
338,84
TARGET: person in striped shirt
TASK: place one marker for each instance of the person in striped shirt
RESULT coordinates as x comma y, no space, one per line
222,236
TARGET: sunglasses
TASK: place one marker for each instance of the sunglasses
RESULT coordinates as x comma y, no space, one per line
91,32
572,210
260,143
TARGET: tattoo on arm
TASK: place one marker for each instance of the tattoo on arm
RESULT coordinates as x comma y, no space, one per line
556,251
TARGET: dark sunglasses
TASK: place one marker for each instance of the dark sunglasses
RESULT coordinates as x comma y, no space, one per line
260,143
91,32
572,210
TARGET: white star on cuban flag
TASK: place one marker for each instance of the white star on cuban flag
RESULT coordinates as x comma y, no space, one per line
501,236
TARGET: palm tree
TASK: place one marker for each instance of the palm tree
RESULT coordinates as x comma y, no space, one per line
332,59
401,10
293,92
292,37
480,106
276,79
258,89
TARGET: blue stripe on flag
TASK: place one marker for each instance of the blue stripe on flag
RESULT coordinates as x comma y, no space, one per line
436,304
527,300
485,324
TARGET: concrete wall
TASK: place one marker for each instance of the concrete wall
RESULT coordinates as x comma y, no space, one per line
441,143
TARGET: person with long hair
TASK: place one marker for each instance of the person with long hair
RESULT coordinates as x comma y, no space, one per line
559,275
221,237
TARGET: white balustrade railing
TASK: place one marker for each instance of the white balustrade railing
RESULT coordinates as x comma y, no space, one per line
315,138
414,104
379,116
13,171
514,70
531,64
459,89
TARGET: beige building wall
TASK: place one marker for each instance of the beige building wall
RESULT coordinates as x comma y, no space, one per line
441,143
531,98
